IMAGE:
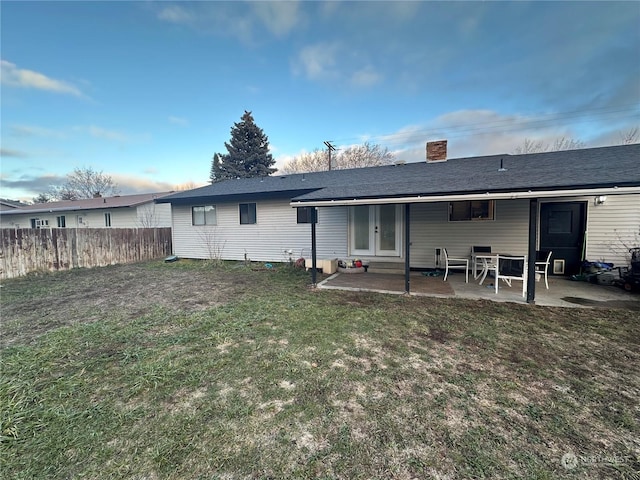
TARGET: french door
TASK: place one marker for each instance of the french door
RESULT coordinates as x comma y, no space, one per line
375,230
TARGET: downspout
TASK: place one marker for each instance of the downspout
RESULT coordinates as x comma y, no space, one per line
531,271
407,248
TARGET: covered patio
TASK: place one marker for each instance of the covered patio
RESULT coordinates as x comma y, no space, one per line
562,291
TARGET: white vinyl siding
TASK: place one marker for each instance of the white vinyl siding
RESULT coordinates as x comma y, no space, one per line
430,229
612,228
276,232
152,215
124,217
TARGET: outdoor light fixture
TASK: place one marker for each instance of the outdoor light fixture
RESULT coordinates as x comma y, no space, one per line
600,199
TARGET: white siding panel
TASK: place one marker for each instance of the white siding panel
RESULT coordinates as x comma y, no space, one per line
275,233
431,229
613,228
151,215
120,218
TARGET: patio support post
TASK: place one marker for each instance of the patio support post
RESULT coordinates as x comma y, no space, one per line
314,219
531,271
407,243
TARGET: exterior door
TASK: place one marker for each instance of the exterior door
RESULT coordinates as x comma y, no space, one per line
562,230
375,230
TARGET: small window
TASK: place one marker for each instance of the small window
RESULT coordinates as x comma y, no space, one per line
107,219
247,213
204,215
38,223
307,215
471,210
62,221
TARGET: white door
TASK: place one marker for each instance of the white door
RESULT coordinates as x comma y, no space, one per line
375,230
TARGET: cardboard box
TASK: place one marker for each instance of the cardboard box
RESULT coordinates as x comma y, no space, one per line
328,266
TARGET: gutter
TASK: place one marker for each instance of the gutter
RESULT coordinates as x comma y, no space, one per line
472,196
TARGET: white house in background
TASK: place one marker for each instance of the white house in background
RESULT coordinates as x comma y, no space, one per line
122,211
6,204
582,203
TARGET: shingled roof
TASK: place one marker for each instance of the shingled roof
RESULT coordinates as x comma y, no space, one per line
119,201
592,168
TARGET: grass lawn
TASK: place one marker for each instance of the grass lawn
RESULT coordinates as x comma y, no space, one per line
188,370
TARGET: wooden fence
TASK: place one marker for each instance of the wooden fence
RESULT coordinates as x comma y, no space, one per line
26,250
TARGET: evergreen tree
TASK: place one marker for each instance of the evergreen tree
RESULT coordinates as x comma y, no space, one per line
248,153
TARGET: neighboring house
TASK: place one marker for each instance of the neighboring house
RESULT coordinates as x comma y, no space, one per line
6,204
126,211
385,214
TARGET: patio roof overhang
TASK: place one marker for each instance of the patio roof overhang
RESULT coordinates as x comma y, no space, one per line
427,198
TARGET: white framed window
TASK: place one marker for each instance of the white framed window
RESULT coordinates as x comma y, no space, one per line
107,219
248,214
62,221
204,215
471,210
39,223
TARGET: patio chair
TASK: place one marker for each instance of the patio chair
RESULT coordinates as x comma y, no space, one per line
478,262
543,261
455,264
511,268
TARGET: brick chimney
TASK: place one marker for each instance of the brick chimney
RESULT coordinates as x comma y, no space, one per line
437,151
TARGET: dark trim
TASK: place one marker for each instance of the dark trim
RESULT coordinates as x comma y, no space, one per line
407,247
313,248
531,272
235,197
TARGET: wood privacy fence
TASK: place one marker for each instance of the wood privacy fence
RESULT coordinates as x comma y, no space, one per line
26,250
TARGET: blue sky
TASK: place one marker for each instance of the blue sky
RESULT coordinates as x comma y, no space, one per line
147,92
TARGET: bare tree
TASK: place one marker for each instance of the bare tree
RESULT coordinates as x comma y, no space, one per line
316,161
147,216
365,155
42,198
539,146
85,183
627,137
215,247
190,185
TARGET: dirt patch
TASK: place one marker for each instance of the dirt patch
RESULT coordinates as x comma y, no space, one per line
587,302
384,282
129,291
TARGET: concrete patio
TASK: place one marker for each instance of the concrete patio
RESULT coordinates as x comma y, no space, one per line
562,292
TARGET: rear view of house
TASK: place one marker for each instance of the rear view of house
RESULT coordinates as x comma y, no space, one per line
583,203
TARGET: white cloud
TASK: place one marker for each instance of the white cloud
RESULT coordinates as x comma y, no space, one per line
480,132
366,77
183,122
103,133
176,14
19,77
237,19
129,185
34,131
317,61
280,18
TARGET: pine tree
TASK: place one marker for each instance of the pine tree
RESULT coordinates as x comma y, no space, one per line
248,153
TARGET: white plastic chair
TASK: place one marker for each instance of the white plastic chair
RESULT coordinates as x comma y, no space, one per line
542,266
455,264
